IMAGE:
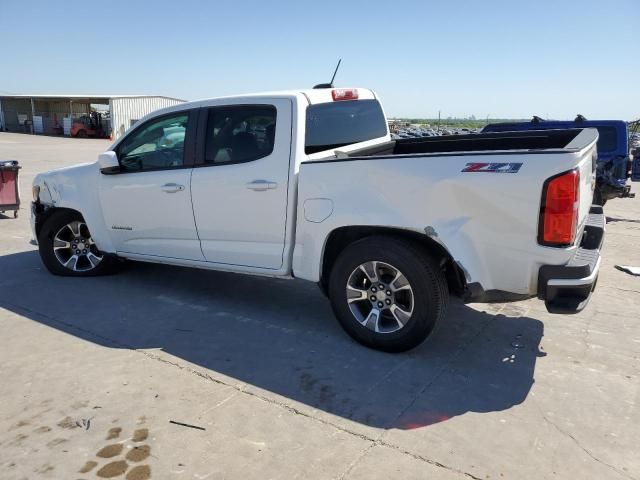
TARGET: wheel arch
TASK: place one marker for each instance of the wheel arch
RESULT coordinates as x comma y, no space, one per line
342,237
44,215
48,224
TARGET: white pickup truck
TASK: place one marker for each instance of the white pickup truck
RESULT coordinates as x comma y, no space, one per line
308,184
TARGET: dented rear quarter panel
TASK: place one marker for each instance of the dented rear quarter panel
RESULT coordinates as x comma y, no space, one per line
487,221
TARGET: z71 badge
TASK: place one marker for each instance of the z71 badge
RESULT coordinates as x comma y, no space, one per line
492,167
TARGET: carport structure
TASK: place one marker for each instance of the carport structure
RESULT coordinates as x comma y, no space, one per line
56,114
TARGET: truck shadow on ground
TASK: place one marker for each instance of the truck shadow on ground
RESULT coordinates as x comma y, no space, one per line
281,336
624,220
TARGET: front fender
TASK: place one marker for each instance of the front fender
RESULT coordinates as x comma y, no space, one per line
76,188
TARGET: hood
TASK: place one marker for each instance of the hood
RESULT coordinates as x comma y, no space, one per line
63,183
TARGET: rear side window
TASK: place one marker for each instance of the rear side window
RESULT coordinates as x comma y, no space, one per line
334,125
240,133
608,139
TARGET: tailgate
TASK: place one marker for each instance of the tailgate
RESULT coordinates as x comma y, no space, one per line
587,159
567,287
587,167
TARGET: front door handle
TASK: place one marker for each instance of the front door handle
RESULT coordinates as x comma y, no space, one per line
172,187
262,185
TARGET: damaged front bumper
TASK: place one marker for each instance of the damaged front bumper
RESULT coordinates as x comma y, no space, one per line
567,288
36,209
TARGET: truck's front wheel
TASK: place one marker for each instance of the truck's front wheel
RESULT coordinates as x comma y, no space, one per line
388,293
67,248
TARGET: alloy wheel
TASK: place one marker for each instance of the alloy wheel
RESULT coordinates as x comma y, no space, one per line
75,249
380,297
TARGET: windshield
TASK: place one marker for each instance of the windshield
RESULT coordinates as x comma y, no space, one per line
333,125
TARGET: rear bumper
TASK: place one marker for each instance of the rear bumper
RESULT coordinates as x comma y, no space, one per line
567,288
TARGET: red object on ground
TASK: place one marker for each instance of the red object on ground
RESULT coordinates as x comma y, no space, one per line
8,192
9,197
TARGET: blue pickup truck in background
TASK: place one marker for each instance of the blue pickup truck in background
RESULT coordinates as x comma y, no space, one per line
615,165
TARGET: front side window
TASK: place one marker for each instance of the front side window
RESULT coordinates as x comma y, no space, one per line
240,133
157,144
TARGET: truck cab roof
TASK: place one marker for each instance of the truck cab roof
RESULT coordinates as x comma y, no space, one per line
311,95
324,119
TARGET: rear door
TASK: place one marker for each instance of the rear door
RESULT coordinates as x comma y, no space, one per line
240,183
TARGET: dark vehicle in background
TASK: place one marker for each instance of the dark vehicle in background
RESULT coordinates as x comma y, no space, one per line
615,165
635,161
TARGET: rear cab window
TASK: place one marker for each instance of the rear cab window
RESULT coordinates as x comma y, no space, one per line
336,124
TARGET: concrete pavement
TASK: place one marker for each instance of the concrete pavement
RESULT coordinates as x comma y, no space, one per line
87,366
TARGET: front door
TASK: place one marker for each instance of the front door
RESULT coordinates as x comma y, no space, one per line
240,188
147,204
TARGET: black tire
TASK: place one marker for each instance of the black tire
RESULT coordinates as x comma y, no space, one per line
81,134
427,281
51,227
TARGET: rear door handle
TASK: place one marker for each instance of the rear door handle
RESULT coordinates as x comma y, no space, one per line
172,187
262,185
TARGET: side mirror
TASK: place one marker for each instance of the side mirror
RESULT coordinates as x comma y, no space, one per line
108,163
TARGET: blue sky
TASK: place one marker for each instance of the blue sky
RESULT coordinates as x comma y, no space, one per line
498,58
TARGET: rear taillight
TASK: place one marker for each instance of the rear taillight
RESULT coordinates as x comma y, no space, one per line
559,210
344,94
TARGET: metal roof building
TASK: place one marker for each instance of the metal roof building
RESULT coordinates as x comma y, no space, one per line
77,115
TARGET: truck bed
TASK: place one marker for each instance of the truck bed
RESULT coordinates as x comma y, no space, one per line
483,142
487,218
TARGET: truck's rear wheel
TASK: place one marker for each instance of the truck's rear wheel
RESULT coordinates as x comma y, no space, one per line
388,293
67,248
